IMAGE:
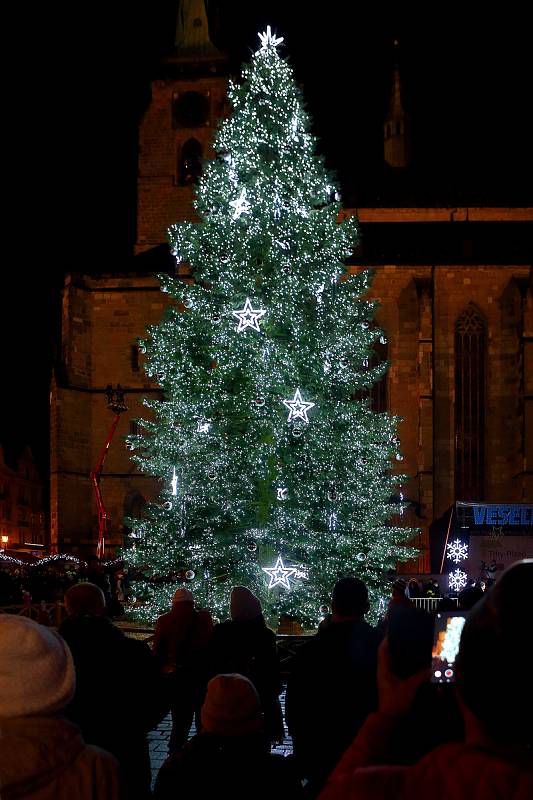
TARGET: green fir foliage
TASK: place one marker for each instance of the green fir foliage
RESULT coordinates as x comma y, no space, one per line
269,246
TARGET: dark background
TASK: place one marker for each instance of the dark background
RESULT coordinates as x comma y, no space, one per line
78,81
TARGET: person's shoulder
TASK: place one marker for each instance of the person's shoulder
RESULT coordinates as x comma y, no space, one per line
478,770
204,618
163,619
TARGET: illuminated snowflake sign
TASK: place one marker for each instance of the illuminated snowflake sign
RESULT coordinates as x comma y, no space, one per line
457,580
457,551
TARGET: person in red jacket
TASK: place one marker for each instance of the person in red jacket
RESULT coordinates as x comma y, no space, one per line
494,762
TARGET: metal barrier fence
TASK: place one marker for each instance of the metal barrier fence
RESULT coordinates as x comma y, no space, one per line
430,603
48,613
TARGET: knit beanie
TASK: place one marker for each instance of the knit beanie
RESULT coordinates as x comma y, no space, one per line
183,596
244,605
231,706
36,669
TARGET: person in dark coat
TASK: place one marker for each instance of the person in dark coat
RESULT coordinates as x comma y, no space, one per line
245,645
180,646
230,758
332,684
118,697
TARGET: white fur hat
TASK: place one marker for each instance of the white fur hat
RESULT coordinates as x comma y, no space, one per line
36,669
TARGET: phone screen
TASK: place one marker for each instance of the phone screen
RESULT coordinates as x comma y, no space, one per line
446,638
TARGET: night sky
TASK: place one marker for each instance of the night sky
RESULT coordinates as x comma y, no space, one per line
79,82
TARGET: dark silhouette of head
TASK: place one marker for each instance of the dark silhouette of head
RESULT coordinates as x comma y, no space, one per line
349,598
493,670
467,598
84,598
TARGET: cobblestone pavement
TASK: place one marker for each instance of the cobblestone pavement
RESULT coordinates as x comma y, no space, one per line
158,741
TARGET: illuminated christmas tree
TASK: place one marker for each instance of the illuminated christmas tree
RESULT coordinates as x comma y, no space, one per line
276,473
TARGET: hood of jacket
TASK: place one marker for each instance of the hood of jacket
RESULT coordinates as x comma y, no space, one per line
34,750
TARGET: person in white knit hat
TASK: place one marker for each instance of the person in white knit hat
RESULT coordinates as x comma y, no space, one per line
42,755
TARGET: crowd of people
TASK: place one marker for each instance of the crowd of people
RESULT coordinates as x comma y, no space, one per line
77,704
48,582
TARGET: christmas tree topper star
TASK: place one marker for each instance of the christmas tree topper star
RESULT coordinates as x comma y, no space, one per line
279,574
298,408
248,318
268,40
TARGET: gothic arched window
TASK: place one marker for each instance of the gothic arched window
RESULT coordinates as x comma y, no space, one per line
470,339
190,162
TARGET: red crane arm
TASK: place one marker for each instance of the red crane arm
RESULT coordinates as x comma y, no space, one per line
95,478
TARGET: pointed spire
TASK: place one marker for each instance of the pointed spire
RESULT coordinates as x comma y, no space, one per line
395,105
192,30
396,146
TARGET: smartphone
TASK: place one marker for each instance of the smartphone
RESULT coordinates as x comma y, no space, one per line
446,639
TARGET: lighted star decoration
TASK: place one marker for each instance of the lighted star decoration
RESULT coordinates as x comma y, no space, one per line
240,205
268,40
248,317
298,407
457,580
174,482
282,493
457,551
279,574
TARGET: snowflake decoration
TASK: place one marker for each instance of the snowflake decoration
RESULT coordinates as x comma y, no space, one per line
457,580
279,574
298,408
457,551
268,40
240,205
248,318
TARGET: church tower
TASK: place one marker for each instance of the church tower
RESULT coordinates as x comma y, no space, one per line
177,129
396,129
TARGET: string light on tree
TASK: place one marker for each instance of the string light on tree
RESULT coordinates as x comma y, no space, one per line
298,407
457,551
203,425
248,317
174,482
282,493
279,574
